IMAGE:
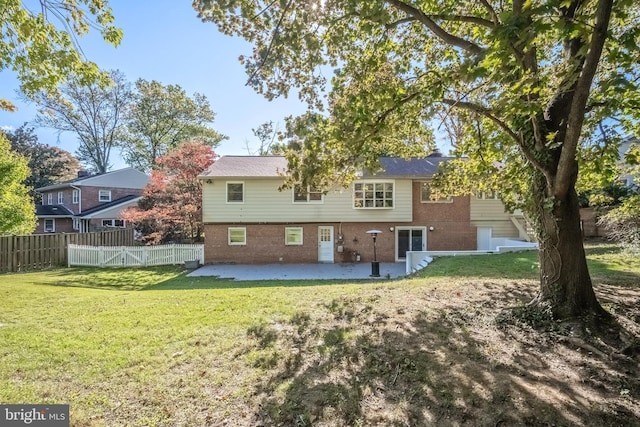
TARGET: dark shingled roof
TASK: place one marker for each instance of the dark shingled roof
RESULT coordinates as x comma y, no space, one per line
52,210
108,205
272,166
423,167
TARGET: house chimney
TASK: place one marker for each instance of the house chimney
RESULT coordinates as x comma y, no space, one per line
83,173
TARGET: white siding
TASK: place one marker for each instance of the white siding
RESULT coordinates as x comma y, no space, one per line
264,203
491,213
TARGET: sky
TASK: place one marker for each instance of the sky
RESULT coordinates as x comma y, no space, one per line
165,41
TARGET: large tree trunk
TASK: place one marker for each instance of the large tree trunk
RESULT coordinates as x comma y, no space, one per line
565,284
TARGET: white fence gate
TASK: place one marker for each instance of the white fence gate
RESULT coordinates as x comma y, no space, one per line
133,256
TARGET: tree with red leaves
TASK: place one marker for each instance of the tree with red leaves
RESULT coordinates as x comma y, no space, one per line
171,206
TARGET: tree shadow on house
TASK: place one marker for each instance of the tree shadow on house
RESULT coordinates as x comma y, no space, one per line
440,358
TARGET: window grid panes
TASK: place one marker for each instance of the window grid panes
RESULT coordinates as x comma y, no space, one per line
235,192
488,195
373,195
50,225
306,195
60,197
75,197
113,223
104,195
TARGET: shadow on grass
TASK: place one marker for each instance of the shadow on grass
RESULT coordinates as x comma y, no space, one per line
163,278
356,363
606,264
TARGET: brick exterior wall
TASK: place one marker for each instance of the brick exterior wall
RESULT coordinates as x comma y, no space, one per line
452,230
62,225
451,222
88,199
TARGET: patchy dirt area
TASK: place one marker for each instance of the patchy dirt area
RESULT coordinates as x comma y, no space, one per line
444,354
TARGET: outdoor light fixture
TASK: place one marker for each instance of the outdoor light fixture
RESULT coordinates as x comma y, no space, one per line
375,265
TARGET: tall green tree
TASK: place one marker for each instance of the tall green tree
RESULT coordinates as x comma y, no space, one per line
161,118
530,80
95,113
40,43
47,164
17,213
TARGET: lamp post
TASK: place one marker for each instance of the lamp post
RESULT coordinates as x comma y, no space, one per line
375,265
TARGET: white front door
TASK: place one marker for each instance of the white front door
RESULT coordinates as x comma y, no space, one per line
325,243
484,239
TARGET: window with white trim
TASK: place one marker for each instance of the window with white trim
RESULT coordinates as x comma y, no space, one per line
60,197
113,223
104,195
237,236
293,236
306,194
235,192
75,197
76,223
431,195
373,195
49,225
487,195
50,198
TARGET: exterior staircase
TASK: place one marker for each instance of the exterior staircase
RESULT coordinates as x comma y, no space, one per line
525,230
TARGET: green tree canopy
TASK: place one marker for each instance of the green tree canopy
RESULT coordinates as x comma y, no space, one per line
17,213
95,113
39,42
532,82
160,118
47,164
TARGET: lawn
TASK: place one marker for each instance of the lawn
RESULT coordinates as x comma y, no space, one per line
152,347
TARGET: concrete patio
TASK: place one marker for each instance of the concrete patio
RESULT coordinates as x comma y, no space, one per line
244,272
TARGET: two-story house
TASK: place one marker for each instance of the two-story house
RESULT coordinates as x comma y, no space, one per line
248,220
89,202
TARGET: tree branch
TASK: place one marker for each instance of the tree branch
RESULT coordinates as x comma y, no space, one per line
271,43
435,28
399,22
502,125
491,11
568,165
464,18
404,100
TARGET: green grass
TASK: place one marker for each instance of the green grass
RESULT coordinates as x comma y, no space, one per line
606,262
155,347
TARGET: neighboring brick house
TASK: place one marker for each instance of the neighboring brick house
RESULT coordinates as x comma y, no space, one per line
248,220
89,202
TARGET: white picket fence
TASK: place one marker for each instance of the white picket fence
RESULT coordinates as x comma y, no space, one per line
133,256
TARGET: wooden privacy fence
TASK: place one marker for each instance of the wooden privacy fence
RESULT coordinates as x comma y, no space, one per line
134,256
39,251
